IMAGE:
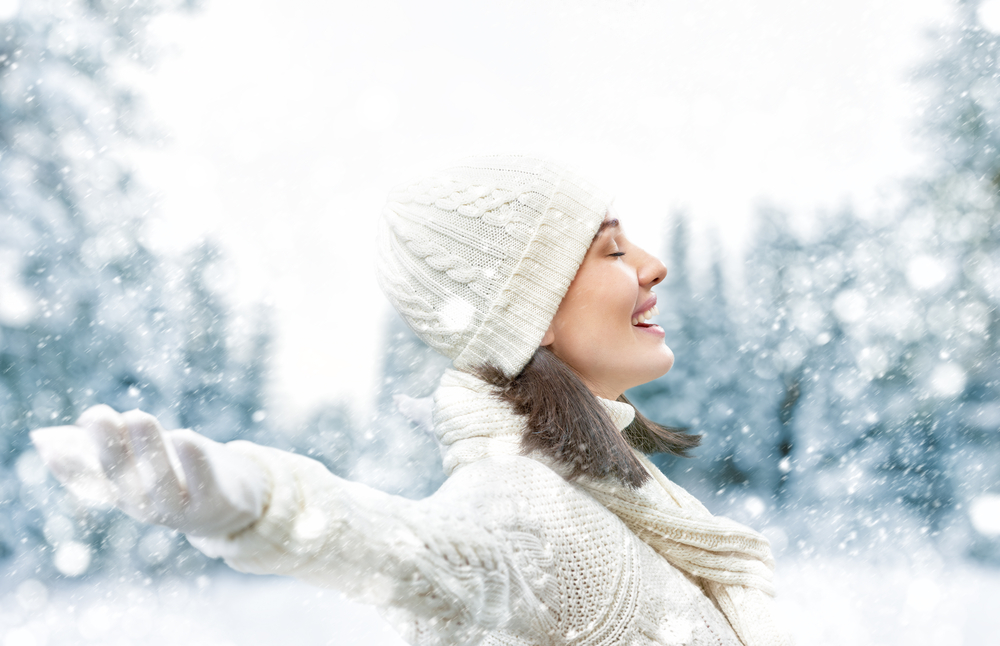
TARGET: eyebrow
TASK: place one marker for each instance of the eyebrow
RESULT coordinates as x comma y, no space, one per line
607,224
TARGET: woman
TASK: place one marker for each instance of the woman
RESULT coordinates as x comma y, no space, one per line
551,528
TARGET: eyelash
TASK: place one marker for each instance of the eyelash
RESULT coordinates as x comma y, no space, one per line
618,254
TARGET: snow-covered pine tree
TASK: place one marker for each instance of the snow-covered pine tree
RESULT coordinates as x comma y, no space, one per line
881,334
811,387
400,453
88,313
959,266
711,389
843,326
220,393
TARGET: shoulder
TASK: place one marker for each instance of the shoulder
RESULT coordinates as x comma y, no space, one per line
523,492
506,475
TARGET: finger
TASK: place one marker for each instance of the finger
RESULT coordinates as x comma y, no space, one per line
70,454
107,428
208,509
156,462
196,463
226,488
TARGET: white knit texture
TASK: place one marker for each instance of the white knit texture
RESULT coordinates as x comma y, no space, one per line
507,552
478,257
733,561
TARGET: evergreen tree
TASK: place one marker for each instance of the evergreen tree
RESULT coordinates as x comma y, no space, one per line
868,355
401,454
959,202
710,389
88,313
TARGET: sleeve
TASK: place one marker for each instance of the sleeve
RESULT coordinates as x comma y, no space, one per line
435,559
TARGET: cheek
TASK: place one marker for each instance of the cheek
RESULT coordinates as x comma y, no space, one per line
613,294
606,315
596,312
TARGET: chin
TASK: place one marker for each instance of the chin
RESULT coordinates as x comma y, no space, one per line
662,361
663,366
669,360
654,370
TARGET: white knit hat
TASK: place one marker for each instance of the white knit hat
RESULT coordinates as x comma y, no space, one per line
478,257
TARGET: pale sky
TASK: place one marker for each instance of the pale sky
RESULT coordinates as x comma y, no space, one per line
289,123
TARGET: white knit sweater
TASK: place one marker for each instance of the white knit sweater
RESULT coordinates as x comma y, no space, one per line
506,552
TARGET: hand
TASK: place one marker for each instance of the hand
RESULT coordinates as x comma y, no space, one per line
178,478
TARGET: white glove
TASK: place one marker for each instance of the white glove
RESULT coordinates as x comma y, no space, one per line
179,478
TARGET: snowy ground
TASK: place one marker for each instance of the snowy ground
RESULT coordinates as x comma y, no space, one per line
838,602
830,602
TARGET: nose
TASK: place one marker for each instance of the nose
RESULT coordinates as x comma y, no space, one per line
651,270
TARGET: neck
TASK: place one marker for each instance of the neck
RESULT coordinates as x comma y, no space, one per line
598,388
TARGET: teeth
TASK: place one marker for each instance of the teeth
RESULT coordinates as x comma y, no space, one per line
642,317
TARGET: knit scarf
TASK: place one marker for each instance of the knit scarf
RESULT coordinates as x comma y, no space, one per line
731,561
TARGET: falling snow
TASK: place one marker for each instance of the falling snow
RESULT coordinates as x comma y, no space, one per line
845,380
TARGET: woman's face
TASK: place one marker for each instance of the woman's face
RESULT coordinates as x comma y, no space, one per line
600,328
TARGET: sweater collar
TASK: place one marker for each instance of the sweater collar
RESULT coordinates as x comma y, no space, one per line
621,413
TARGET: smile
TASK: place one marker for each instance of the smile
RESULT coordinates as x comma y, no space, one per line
641,318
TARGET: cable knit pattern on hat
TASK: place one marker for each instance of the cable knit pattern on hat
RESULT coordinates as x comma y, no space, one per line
478,257
507,552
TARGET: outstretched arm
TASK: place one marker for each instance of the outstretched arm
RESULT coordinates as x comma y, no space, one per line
271,512
436,558
178,478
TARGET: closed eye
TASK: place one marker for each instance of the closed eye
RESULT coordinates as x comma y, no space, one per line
617,254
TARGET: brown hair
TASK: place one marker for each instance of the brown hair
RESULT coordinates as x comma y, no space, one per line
566,422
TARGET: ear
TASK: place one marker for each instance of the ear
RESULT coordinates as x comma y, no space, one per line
549,337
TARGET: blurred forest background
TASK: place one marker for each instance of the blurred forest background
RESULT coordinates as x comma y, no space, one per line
847,387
